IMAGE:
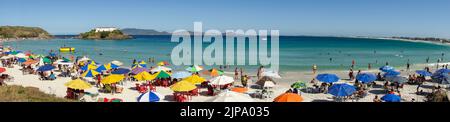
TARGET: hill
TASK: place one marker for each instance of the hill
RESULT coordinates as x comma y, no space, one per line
106,35
20,32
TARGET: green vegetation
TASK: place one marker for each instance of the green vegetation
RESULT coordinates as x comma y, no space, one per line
17,32
113,35
14,93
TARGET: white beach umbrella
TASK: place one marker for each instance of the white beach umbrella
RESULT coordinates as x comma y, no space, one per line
160,68
221,80
231,96
84,59
269,84
271,74
21,55
118,63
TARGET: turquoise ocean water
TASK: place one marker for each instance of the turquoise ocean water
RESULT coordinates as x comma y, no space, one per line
297,53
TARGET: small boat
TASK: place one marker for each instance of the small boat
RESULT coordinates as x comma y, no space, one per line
66,49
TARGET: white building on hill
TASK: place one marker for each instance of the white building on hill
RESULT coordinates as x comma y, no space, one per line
105,29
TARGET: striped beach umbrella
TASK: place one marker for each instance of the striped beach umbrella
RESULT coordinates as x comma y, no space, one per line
149,97
89,73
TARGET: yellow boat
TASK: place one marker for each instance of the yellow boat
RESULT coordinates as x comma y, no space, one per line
66,49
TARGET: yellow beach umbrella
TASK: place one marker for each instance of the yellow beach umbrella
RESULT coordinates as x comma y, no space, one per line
114,78
183,86
78,84
144,76
195,79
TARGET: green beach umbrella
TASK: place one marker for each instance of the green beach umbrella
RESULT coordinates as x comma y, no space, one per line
299,85
162,74
65,59
47,60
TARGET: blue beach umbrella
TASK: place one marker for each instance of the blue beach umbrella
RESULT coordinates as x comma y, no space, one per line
21,60
440,71
386,68
423,72
398,79
327,78
366,77
46,67
340,90
149,97
391,73
101,68
391,98
120,71
182,74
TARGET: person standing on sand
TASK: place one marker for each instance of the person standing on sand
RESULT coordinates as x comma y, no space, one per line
407,66
350,74
236,74
242,72
353,63
314,68
260,70
437,64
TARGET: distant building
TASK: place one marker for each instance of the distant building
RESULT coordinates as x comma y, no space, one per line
105,29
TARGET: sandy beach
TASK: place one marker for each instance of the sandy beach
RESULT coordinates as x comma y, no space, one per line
57,87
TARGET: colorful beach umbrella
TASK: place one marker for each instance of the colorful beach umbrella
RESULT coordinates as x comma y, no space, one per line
163,63
111,66
194,68
78,84
342,90
288,97
240,89
142,64
386,68
46,67
118,63
213,72
423,73
366,77
231,96
195,79
113,78
162,75
47,60
21,55
120,71
391,98
89,73
101,68
29,62
221,80
21,60
183,86
139,70
182,74
149,97
89,67
160,68
2,69
327,78
144,76
299,85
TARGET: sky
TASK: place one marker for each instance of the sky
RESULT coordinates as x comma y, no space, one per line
418,18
